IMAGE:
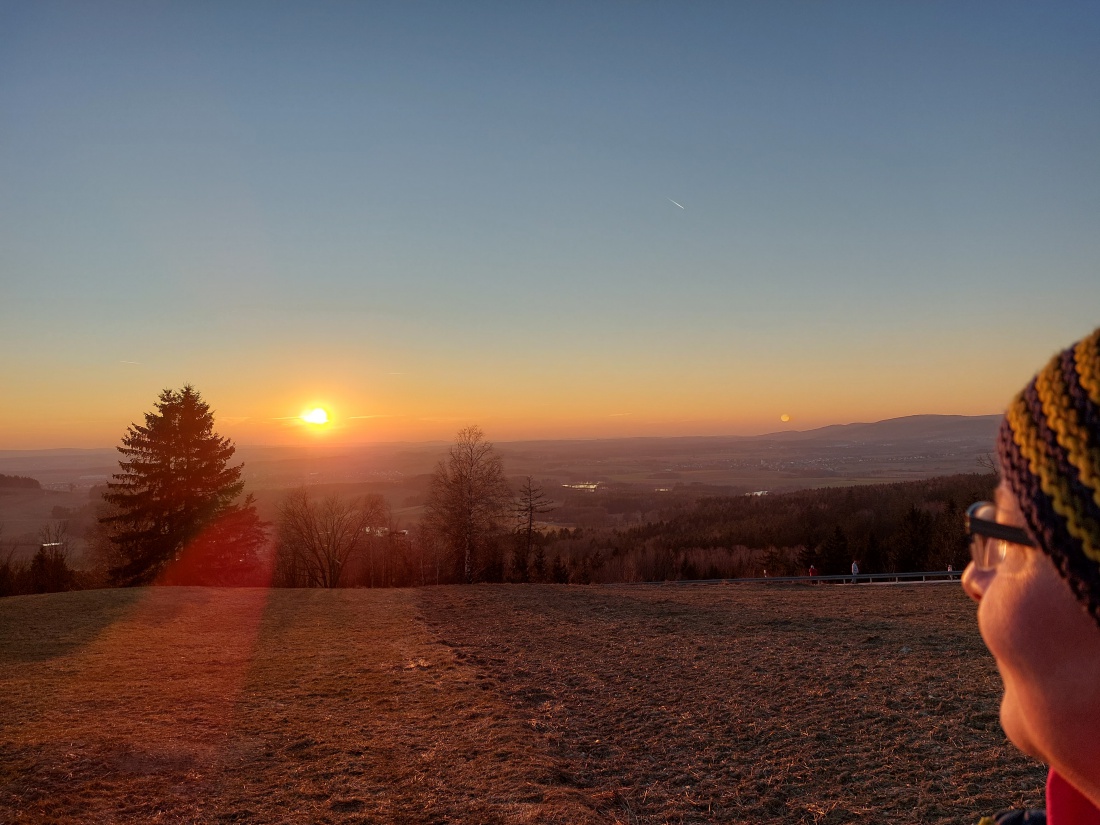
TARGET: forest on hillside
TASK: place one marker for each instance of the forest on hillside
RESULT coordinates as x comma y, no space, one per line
896,527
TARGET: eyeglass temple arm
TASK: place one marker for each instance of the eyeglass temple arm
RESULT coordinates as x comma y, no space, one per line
999,531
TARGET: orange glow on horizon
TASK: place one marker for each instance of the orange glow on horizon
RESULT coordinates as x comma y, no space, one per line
550,405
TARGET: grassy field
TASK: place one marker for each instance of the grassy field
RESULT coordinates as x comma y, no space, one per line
501,704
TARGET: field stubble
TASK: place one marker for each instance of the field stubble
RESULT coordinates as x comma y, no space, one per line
503,704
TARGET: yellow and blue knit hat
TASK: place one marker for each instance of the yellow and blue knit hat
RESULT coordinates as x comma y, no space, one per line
1049,449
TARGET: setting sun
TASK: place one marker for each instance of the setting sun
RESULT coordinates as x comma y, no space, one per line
315,416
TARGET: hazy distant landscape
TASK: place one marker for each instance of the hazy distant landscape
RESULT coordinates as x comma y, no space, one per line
655,469
893,450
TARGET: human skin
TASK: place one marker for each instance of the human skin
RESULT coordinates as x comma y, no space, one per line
1047,649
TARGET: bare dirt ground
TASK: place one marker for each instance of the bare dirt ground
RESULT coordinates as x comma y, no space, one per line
542,704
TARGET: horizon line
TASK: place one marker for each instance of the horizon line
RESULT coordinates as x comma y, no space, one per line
395,442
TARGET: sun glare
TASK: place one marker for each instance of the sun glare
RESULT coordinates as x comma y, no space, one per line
315,416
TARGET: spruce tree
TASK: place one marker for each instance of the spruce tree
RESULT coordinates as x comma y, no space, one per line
175,481
834,553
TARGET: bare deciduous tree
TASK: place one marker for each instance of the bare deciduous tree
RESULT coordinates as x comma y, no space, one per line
530,503
468,501
55,533
988,462
317,540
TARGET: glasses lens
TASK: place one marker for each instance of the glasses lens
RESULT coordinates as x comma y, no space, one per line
988,552
987,512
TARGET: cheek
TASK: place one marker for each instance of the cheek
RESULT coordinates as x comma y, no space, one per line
1011,621
1017,646
1048,653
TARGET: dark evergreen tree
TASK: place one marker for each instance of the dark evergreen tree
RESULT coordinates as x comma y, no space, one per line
175,481
950,544
50,571
538,566
559,573
491,568
809,555
521,571
834,554
226,553
910,544
775,562
12,574
872,555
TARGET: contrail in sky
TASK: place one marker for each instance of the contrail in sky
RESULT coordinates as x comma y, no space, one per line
670,200
135,363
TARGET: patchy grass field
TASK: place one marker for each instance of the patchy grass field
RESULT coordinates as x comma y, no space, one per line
540,704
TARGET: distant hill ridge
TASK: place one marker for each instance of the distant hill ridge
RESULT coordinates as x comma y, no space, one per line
906,427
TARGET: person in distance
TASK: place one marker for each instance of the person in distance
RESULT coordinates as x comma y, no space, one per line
1035,574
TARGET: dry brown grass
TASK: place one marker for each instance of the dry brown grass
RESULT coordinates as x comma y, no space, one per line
502,704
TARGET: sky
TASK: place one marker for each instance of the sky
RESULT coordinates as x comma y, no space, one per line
553,220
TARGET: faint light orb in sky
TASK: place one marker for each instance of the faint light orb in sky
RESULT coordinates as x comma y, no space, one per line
784,418
318,415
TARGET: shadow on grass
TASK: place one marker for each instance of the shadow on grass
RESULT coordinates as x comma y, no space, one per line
39,628
285,608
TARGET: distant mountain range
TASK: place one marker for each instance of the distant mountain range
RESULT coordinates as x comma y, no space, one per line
909,427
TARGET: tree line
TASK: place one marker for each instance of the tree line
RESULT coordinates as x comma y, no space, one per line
48,571
886,528
177,513
19,482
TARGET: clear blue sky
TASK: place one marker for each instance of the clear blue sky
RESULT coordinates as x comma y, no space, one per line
423,215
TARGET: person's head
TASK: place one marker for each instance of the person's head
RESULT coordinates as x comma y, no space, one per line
1038,587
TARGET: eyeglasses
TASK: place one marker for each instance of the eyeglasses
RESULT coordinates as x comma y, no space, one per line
989,539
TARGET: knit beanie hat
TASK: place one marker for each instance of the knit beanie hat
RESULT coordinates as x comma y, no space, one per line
1049,450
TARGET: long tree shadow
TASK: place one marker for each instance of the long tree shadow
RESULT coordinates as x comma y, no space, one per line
39,628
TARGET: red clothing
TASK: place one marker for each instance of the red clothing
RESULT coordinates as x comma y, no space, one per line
1068,806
